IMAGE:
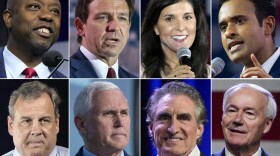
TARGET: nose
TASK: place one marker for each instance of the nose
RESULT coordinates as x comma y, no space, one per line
118,121
173,127
36,129
113,25
45,14
180,25
238,119
231,31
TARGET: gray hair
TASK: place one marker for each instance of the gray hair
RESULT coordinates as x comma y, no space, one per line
31,91
177,88
271,109
84,101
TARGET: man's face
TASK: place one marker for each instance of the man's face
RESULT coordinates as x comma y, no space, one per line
106,30
241,32
107,126
176,26
244,121
36,23
34,127
174,128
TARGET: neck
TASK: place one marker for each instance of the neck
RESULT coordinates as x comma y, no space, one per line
243,150
103,152
171,61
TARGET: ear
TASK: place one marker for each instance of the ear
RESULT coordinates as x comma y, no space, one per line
80,125
79,24
267,127
269,25
150,129
8,17
57,124
10,125
199,131
156,30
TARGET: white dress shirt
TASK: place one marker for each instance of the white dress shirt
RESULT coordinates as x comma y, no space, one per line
99,66
57,151
267,65
258,153
14,66
88,153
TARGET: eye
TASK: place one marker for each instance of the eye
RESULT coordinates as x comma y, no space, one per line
34,6
188,18
124,112
26,122
223,28
163,117
169,19
239,21
123,18
231,112
55,12
250,115
184,117
103,18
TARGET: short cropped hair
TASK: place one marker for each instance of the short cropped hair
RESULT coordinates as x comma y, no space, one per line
32,91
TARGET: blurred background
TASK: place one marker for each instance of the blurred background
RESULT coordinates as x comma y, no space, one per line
217,48
148,87
129,58
130,88
271,141
61,45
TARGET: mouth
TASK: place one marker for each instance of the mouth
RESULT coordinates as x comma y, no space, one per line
236,131
173,139
44,31
179,37
234,46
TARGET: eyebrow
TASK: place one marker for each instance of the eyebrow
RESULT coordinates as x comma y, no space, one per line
233,18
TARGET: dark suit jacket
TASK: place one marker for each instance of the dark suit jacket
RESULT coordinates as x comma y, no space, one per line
56,74
81,67
274,71
80,152
222,153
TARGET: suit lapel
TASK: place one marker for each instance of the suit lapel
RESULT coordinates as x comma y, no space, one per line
2,65
275,70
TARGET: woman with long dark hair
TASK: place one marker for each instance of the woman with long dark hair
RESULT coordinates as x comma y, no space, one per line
169,25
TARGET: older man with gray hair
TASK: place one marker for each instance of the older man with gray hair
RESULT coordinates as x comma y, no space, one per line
102,118
248,114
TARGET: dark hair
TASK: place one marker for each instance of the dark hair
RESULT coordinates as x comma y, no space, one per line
153,59
264,8
82,8
177,88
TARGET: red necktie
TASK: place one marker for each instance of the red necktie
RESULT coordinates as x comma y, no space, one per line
111,73
29,72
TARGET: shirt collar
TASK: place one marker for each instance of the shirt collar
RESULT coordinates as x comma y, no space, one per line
99,66
54,152
14,66
258,153
195,152
88,153
267,65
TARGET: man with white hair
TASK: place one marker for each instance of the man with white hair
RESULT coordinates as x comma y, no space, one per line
102,118
248,114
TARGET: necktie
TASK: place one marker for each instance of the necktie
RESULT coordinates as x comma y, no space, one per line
29,72
111,73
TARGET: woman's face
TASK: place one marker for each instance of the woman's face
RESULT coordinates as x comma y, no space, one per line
176,26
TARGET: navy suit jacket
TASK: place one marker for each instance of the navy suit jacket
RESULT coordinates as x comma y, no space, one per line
56,74
222,153
81,67
80,152
274,71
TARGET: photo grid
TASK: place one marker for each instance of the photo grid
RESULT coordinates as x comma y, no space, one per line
139,77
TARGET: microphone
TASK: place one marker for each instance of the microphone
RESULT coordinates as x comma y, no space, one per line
53,59
184,56
218,65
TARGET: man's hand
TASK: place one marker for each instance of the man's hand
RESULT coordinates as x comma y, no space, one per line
256,71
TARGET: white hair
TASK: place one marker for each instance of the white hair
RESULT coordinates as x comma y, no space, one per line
271,109
84,101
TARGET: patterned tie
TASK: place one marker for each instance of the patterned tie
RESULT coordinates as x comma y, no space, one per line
29,72
111,73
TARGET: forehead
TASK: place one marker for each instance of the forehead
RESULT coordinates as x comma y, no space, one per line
176,103
112,98
233,8
40,105
247,97
44,2
97,6
177,8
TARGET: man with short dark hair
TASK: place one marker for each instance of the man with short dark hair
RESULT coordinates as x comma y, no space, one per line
247,32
